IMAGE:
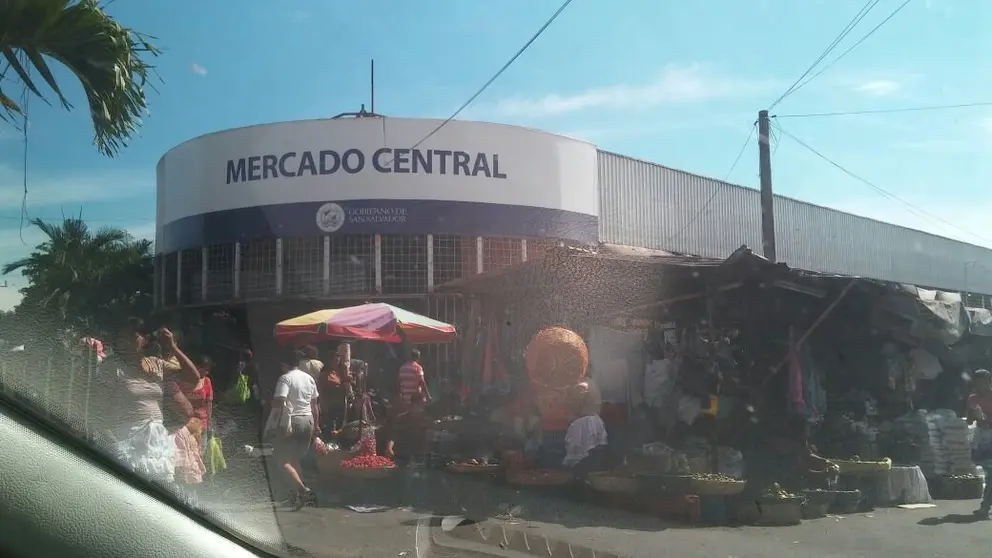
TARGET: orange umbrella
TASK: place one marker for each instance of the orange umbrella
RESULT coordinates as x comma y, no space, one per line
375,321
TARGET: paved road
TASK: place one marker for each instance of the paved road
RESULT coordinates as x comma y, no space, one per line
334,530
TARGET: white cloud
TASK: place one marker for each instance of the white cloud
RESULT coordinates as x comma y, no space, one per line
198,69
879,87
69,189
676,85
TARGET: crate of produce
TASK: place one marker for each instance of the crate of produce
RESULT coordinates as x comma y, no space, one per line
612,483
538,477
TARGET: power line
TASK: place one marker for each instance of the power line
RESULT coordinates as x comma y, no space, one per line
914,208
840,37
854,46
510,62
741,152
716,191
884,111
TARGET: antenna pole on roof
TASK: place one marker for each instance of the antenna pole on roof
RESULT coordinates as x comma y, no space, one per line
372,79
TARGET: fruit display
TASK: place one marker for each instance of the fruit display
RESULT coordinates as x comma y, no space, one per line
714,484
776,493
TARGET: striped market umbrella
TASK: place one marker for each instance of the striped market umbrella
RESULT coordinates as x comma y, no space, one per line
374,321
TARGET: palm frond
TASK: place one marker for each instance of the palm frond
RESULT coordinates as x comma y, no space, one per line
107,58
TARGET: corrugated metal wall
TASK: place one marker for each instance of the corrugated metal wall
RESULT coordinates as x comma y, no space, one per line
648,205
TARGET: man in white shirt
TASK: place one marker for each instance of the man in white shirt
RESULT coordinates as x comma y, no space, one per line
296,402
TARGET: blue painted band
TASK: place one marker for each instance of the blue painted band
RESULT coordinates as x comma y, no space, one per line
377,217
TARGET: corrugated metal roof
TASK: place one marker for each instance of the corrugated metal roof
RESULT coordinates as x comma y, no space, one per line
648,205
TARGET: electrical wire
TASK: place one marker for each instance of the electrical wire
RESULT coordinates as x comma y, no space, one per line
716,190
854,46
495,76
883,111
840,37
913,208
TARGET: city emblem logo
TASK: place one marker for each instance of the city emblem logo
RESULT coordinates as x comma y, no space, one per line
330,217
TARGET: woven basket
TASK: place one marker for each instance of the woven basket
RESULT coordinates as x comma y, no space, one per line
540,477
613,484
367,474
961,488
862,467
703,487
774,513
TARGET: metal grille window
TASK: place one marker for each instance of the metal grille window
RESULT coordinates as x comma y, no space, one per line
448,265
448,309
171,262
352,264
303,269
500,253
220,272
258,269
404,264
192,276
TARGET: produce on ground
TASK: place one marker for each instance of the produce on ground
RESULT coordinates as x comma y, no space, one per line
714,477
369,462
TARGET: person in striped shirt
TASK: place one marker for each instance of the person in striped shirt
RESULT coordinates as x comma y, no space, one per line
411,379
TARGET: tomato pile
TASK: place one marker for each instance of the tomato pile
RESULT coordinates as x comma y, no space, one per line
367,447
369,461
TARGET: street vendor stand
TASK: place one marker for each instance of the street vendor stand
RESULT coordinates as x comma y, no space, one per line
367,322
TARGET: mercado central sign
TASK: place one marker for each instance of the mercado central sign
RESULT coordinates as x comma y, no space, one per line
387,160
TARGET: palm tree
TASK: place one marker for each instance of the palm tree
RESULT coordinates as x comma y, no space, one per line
83,278
104,56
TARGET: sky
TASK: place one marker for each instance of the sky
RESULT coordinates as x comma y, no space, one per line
678,83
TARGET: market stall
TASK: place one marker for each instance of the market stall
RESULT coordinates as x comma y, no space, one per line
369,322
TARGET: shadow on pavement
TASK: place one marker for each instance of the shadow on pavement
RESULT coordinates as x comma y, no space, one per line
953,518
438,493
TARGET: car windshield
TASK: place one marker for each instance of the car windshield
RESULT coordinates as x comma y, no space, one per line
384,279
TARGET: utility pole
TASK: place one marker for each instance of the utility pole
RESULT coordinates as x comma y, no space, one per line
767,197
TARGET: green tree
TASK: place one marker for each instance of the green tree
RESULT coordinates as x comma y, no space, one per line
106,58
83,279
